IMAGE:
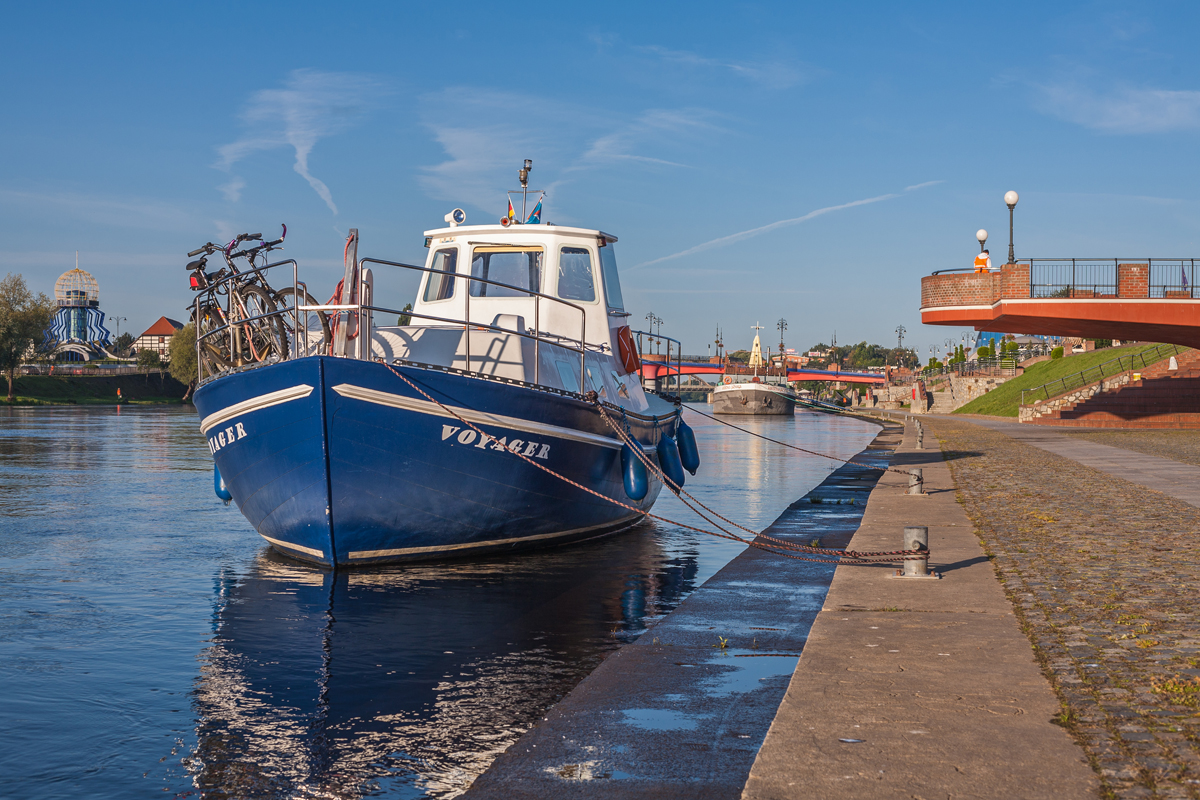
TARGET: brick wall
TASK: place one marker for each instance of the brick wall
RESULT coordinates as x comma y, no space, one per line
1014,281
961,289
1133,280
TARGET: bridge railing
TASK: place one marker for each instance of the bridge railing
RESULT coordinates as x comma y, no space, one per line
1067,278
1099,372
1072,277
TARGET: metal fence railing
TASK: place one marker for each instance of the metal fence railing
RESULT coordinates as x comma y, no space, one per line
1172,278
1107,369
1073,277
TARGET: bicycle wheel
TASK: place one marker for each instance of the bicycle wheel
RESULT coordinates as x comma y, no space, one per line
263,334
313,333
214,347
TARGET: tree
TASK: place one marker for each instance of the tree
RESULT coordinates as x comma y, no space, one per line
24,320
123,343
405,319
182,355
148,359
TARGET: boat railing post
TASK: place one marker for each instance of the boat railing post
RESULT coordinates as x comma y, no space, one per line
467,326
196,328
537,340
296,311
582,351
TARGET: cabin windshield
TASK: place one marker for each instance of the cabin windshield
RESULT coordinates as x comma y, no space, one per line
612,284
516,266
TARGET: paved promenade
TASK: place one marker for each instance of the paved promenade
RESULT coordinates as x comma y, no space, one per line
1103,572
919,688
1181,481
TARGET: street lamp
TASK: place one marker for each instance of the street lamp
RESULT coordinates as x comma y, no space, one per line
1010,200
981,235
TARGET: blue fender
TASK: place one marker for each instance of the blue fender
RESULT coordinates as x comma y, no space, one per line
668,460
689,453
219,485
633,472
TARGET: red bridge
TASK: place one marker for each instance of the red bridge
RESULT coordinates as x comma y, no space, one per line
1150,300
655,370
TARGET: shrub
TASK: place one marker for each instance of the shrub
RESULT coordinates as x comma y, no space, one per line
1056,353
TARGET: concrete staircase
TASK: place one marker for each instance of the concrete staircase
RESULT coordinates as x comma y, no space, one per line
1162,398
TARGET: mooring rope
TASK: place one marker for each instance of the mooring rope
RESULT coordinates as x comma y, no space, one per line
681,492
794,447
831,556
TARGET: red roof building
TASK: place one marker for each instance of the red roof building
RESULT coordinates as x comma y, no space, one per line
158,336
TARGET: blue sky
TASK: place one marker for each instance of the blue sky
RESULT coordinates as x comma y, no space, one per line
878,136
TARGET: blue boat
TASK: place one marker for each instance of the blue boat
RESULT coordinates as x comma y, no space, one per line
475,427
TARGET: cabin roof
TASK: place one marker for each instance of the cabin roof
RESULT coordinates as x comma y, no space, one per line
518,231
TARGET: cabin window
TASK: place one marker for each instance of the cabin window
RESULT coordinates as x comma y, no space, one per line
517,267
441,285
575,275
612,284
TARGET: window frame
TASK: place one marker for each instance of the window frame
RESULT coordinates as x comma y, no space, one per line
474,280
593,261
429,276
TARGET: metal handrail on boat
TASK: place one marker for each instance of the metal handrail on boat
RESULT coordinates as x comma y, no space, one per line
678,352
211,293
363,310
467,323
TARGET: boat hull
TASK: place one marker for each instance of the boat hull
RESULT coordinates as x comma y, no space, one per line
339,461
751,398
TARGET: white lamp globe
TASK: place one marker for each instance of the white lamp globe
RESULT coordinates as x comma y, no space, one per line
1010,199
981,235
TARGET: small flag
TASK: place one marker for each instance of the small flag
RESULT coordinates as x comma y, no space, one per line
535,216
511,213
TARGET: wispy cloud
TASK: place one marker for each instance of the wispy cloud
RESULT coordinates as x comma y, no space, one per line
783,223
311,106
1122,110
486,135
655,124
774,74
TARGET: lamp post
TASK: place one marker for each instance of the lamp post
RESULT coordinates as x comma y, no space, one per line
1010,200
981,235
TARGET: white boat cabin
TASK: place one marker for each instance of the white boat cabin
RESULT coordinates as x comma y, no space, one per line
508,330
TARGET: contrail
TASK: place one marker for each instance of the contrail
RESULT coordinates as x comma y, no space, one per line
736,237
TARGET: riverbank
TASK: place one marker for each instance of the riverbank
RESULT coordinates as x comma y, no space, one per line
149,388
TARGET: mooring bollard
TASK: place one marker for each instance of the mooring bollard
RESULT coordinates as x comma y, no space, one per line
916,482
920,437
916,538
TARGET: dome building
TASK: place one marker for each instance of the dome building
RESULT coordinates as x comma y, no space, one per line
78,327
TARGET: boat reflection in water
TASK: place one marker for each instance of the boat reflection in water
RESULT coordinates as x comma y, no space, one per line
410,680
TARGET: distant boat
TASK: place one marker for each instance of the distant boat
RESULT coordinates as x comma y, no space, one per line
355,450
752,393
750,397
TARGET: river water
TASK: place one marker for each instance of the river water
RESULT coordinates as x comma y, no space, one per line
151,645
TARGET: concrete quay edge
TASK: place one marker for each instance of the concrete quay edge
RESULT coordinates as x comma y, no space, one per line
672,715
918,688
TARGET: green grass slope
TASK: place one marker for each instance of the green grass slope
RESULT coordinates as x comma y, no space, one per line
100,390
1005,399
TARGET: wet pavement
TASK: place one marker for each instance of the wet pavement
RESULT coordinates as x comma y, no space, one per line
683,711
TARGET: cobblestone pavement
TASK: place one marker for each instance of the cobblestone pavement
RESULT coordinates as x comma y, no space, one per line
1176,445
1103,574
